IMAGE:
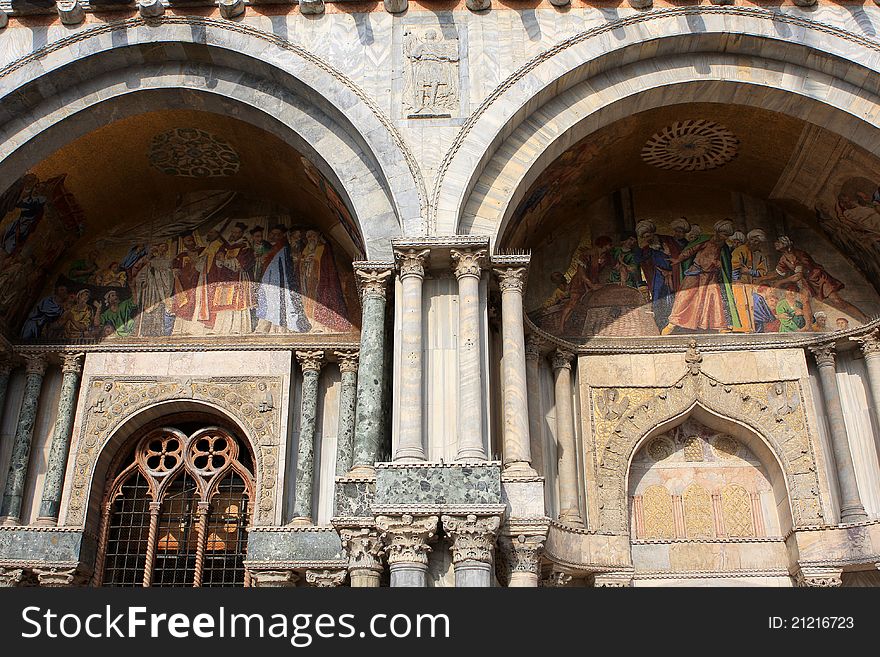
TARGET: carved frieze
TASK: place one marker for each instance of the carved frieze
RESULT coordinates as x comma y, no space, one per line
112,401
751,404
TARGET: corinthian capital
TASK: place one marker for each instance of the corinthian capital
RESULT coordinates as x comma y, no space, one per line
310,361
72,363
869,342
373,282
406,537
35,364
534,346
473,537
364,548
348,360
325,579
523,552
562,359
824,354
412,262
468,262
511,279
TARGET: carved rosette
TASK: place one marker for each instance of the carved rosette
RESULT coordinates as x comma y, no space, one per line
534,347
562,359
869,343
233,395
281,578
511,279
819,577
373,282
406,537
348,361
824,354
522,552
310,361
325,579
412,262
468,262
10,577
473,537
364,548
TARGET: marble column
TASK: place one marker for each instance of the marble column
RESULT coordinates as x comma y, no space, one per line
348,367
21,448
311,362
406,543
473,544
851,509
517,450
534,345
470,387
409,447
364,549
71,369
523,554
870,345
5,371
569,508
371,373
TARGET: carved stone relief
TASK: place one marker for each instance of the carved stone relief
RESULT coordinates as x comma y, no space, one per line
112,401
431,86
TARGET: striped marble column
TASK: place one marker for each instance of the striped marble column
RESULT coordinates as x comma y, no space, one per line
517,450
311,362
409,438
71,369
470,398
569,507
371,372
10,510
348,367
851,509
870,345
534,346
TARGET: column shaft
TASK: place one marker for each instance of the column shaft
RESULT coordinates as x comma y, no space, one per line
470,398
370,384
517,450
305,454
347,396
5,370
569,508
851,509
21,449
533,386
409,438
51,498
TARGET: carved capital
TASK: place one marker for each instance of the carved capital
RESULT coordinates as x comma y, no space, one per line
412,262
10,577
556,579
534,346
5,366
58,577
325,579
562,359
824,354
310,361
523,552
373,282
473,537
364,548
281,578
869,342
72,363
406,538
348,360
35,364
511,279
819,577
468,262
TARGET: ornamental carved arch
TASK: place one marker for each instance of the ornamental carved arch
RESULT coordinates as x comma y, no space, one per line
780,438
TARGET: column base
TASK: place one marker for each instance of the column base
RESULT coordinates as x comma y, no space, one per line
855,513
519,469
411,575
10,521
362,471
409,455
471,455
571,518
301,521
46,521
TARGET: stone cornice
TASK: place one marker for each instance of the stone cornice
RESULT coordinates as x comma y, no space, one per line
270,344
294,565
713,574
434,509
668,541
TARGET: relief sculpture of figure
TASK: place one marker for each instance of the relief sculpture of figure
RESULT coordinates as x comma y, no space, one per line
432,81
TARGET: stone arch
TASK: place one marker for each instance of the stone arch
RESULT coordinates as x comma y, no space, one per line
135,403
623,67
740,410
55,94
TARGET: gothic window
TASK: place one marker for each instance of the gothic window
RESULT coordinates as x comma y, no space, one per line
177,512
736,508
657,512
699,521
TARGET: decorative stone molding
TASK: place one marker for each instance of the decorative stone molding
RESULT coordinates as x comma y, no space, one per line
473,537
693,358
819,577
51,576
406,537
150,8
412,262
522,552
281,578
562,359
10,577
511,278
325,579
824,354
556,579
612,580
749,404
372,282
231,8
348,360
71,13
310,361
364,548
468,262
115,400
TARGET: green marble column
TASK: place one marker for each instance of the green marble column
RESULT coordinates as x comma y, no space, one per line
311,362
21,448
5,370
348,366
71,369
368,432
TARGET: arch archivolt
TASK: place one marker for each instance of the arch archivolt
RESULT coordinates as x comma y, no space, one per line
774,412
110,404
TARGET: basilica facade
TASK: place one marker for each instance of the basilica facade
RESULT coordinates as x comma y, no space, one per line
439,294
